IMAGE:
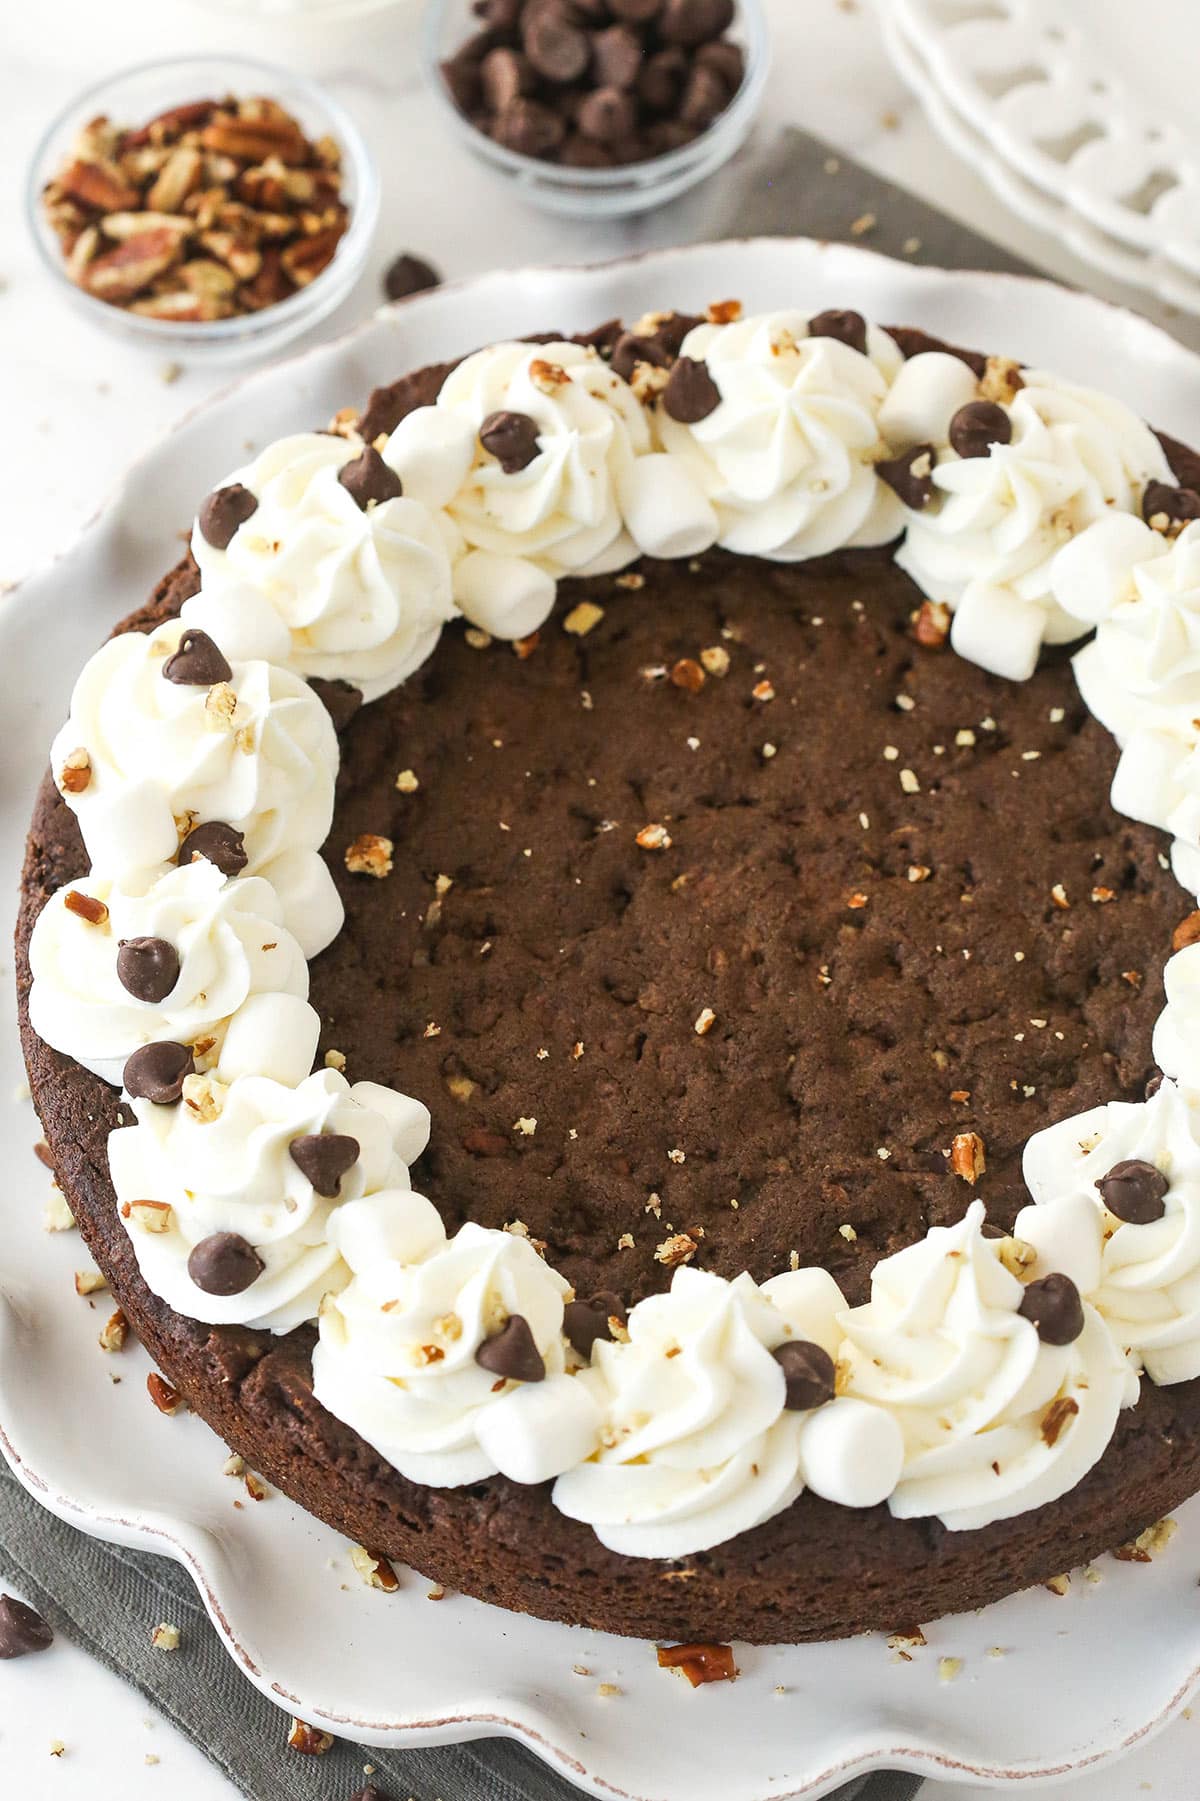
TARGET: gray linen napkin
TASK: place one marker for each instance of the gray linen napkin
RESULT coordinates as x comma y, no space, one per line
100,1595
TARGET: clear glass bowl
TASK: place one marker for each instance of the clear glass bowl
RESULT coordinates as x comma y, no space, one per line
604,193
138,94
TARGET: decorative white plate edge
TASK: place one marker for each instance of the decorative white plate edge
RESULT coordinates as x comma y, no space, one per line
154,1531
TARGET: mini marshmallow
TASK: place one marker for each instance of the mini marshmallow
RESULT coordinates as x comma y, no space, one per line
665,510
540,1429
851,1453
271,1035
408,1118
1176,1039
1000,632
1185,866
397,1225
242,621
1145,785
431,451
923,399
1067,1235
507,596
810,1301
1093,573
126,827
312,907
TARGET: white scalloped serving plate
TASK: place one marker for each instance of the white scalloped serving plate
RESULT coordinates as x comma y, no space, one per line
1090,104
1082,1678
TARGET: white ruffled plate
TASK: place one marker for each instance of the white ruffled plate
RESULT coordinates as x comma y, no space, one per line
1082,1676
1082,122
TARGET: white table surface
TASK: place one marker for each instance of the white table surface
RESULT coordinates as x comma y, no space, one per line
78,407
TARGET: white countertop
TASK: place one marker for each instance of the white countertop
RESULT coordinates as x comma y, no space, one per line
80,406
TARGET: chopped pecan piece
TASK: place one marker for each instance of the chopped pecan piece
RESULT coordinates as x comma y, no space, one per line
699,1662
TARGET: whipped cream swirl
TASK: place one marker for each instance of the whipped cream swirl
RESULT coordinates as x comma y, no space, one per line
315,582
986,544
258,753
551,510
1147,1280
220,1160
397,1353
995,1421
228,935
787,458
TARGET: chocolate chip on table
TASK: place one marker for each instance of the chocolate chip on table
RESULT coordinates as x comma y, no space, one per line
324,1157
1168,508
842,324
222,513
22,1631
147,967
198,662
1135,1191
408,275
225,1263
342,700
977,426
156,1072
529,128
691,394
368,480
616,57
220,844
910,475
807,1373
586,1321
512,1352
512,438
693,22
1054,1306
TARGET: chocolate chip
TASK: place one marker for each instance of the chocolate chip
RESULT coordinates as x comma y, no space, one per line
664,135
617,57
217,843
910,475
586,1321
558,50
409,274
1054,1306
512,438
704,96
22,1631
324,1157
840,323
342,699
198,662
1135,1191
607,116
224,1263
631,349
512,1353
635,12
807,1374
977,426
529,128
505,75
147,967
692,22
579,152
369,481
1176,506
660,81
156,1072
726,60
222,513
691,394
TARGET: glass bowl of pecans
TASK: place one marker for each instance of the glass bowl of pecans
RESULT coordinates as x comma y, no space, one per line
211,206
599,108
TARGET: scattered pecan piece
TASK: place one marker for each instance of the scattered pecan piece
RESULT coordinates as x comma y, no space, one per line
699,1662
967,1156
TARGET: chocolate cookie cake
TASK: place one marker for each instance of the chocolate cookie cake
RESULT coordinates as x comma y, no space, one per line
742,897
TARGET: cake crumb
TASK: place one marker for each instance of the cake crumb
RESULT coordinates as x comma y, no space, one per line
606,1690
165,1637
335,1060
848,1233
625,1242
949,1668
526,1126
370,854
680,1248
407,782
705,1020
1148,1544
57,1748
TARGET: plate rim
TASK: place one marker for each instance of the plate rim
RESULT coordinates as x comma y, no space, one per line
152,1531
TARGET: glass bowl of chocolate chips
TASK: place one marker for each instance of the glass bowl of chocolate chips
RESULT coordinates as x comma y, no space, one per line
207,206
599,108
